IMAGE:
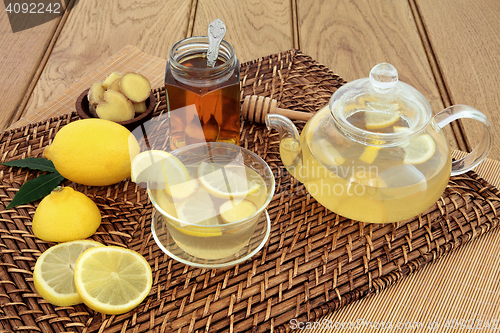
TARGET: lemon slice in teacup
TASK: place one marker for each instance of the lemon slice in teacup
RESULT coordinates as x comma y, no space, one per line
226,182
169,173
142,165
199,214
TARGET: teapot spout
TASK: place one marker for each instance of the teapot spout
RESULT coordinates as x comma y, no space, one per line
290,150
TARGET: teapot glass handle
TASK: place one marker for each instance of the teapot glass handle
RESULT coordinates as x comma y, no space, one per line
480,152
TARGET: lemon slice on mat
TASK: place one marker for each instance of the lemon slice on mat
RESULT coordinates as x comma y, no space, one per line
419,150
229,181
53,272
112,279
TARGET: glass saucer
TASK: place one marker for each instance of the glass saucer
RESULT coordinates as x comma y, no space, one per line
167,244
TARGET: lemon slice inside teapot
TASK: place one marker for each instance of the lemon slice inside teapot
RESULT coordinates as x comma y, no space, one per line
369,109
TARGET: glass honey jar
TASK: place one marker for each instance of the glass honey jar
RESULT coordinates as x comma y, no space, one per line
202,102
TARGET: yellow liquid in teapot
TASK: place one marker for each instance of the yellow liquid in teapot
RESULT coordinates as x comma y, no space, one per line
367,183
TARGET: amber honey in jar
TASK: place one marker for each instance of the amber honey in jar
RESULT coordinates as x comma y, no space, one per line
202,102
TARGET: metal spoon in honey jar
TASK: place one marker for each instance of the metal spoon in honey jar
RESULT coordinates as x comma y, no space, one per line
216,33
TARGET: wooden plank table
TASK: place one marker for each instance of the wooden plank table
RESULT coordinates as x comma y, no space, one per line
447,49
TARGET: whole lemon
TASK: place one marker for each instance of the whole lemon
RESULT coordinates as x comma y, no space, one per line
65,215
93,152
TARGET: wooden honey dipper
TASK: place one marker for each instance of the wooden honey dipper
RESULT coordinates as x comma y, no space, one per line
255,108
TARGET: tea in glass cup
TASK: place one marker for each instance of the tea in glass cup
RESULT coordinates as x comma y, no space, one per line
216,217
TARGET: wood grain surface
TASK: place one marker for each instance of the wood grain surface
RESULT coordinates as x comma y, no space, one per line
95,30
92,33
21,54
350,37
469,56
254,28
447,49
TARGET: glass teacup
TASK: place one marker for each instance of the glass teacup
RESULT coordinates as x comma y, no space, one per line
223,221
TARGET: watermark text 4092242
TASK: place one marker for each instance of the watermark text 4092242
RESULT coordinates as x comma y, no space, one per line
26,14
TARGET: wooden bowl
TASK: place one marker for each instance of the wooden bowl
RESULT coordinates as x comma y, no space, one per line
82,108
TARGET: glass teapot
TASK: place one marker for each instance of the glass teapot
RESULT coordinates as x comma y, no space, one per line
375,153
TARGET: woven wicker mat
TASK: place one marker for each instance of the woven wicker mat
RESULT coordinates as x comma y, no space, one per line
314,262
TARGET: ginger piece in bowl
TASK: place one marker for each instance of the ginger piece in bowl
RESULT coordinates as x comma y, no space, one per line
110,79
140,107
94,96
135,87
106,100
115,85
115,106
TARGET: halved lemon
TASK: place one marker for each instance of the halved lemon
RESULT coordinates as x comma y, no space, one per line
379,119
226,182
231,211
53,272
112,279
419,150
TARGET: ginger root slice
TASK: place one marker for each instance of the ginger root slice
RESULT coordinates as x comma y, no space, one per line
135,87
115,106
140,107
115,85
94,96
110,79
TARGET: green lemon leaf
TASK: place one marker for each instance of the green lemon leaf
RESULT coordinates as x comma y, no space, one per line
36,189
33,163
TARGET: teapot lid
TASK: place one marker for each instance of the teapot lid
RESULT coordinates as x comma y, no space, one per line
384,94
383,77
